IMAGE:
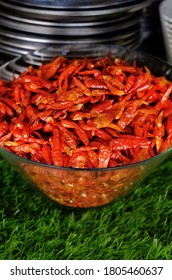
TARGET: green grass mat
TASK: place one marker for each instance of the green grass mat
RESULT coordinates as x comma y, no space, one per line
138,226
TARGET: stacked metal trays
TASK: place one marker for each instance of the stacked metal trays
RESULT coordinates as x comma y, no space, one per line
165,11
33,24
150,21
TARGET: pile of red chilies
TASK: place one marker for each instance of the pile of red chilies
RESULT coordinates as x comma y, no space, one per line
86,113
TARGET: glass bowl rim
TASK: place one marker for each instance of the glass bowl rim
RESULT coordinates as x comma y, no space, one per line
71,47
131,165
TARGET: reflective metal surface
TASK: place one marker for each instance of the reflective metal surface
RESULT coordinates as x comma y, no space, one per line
31,24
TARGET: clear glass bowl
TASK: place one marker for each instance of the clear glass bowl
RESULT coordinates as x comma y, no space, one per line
75,187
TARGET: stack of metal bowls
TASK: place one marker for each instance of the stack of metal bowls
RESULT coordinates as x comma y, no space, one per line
150,21
31,24
165,11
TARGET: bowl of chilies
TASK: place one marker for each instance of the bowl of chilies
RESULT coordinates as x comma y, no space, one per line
84,124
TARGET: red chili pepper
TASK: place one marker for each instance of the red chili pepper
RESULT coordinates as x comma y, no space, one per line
159,130
60,105
3,88
12,104
93,83
6,110
68,71
2,109
168,125
140,81
49,70
104,106
56,148
102,134
122,143
79,160
130,80
4,127
23,148
4,139
164,99
167,144
46,154
93,158
86,91
68,136
114,81
105,119
104,156
129,114
114,90
122,68
79,131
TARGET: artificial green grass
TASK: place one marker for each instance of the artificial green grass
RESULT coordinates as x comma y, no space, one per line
138,226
